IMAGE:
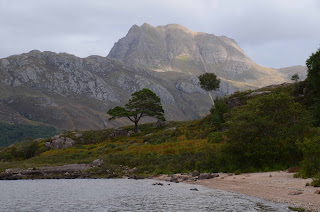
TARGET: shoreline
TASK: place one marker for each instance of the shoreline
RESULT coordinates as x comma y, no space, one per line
278,187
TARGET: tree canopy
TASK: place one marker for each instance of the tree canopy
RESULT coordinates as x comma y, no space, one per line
142,103
295,77
209,82
313,65
265,131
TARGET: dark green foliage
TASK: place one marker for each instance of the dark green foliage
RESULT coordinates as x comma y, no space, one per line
142,103
215,137
297,209
310,147
316,180
264,132
313,65
12,133
217,111
295,77
315,110
209,81
23,150
167,136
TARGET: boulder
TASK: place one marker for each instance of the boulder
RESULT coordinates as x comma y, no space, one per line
120,132
78,135
174,179
172,128
133,170
257,93
60,143
130,133
161,123
97,162
234,102
195,173
203,176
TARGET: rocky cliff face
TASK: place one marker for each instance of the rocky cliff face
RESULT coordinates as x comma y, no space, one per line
175,48
75,93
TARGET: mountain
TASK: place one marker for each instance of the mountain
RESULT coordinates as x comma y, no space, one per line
175,48
68,92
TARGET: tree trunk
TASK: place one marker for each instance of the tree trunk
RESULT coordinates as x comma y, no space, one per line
136,127
211,97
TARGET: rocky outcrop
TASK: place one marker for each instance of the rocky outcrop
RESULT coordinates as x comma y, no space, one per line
70,171
60,143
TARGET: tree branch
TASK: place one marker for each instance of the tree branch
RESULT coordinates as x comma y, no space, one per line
130,118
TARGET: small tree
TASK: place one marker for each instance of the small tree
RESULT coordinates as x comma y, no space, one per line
142,103
295,78
313,65
209,82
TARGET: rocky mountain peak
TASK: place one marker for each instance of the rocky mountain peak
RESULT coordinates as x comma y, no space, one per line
175,48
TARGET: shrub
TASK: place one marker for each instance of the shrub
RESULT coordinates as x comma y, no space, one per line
264,132
316,180
217,111
310,147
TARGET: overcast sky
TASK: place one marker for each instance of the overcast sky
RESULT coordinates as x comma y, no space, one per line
274,33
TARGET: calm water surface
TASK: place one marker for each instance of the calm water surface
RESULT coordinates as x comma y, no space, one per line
122,195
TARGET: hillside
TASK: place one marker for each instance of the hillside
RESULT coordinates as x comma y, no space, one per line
180,147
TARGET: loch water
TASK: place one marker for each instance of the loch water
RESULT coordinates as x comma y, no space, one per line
122,195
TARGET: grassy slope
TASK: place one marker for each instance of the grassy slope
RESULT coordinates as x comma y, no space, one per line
178,147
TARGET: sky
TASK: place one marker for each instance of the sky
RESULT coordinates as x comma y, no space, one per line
273,33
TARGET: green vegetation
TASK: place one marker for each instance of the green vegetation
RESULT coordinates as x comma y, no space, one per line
142,103
269,131
313,65
217,112
295,78
209,82
18,132
297,209
264,132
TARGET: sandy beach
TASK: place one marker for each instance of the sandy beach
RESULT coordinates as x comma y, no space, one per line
279,187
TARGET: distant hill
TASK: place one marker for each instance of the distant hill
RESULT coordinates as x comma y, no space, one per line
289,71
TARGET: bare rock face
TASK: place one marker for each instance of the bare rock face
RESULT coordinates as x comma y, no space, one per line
60,143
175,48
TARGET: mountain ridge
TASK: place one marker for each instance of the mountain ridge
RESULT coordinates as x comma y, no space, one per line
70,92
